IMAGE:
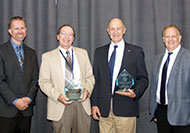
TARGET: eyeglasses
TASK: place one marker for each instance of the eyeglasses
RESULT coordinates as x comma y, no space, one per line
67,34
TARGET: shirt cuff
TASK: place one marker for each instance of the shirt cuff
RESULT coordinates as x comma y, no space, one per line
30,99
14,101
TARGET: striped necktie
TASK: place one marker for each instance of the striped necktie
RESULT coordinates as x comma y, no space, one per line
20,58
68,67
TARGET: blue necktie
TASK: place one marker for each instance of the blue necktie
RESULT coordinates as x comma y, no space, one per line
20,58
111,65
163,81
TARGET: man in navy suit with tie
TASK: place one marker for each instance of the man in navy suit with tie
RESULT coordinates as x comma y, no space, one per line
117,111
170,85
18,80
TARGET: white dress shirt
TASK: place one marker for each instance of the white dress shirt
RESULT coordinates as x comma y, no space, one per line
118,59
172,59
76,67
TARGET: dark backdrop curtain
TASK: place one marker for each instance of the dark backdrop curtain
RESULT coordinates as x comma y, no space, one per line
144,20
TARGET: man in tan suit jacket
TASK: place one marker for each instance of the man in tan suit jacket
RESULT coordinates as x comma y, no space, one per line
66,115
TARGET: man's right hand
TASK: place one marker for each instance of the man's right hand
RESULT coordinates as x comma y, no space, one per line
21,104
64,100
96,112
155,120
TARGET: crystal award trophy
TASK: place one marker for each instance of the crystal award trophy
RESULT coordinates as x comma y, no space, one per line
73,89
124,81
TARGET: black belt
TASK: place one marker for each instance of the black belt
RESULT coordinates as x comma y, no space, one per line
162,106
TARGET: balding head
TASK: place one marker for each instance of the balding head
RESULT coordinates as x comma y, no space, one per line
116,30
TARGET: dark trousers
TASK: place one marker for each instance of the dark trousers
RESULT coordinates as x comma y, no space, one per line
17,124
163,125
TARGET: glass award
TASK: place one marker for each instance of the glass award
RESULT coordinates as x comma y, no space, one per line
124,81
73,89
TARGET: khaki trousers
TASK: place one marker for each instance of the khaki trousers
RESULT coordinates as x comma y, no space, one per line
115,124
74,119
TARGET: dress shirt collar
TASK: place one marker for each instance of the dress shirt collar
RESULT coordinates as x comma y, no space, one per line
15,45
175,52
64,50
121,43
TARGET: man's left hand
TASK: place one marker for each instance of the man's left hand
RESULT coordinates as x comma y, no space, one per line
85,95
130,93
26,100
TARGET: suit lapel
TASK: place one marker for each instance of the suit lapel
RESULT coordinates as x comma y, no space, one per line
104,61
80,61
58,67
105,58
126,58
13,56
26,57
157,66
176,62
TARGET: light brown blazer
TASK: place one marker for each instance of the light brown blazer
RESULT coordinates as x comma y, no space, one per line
51,80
